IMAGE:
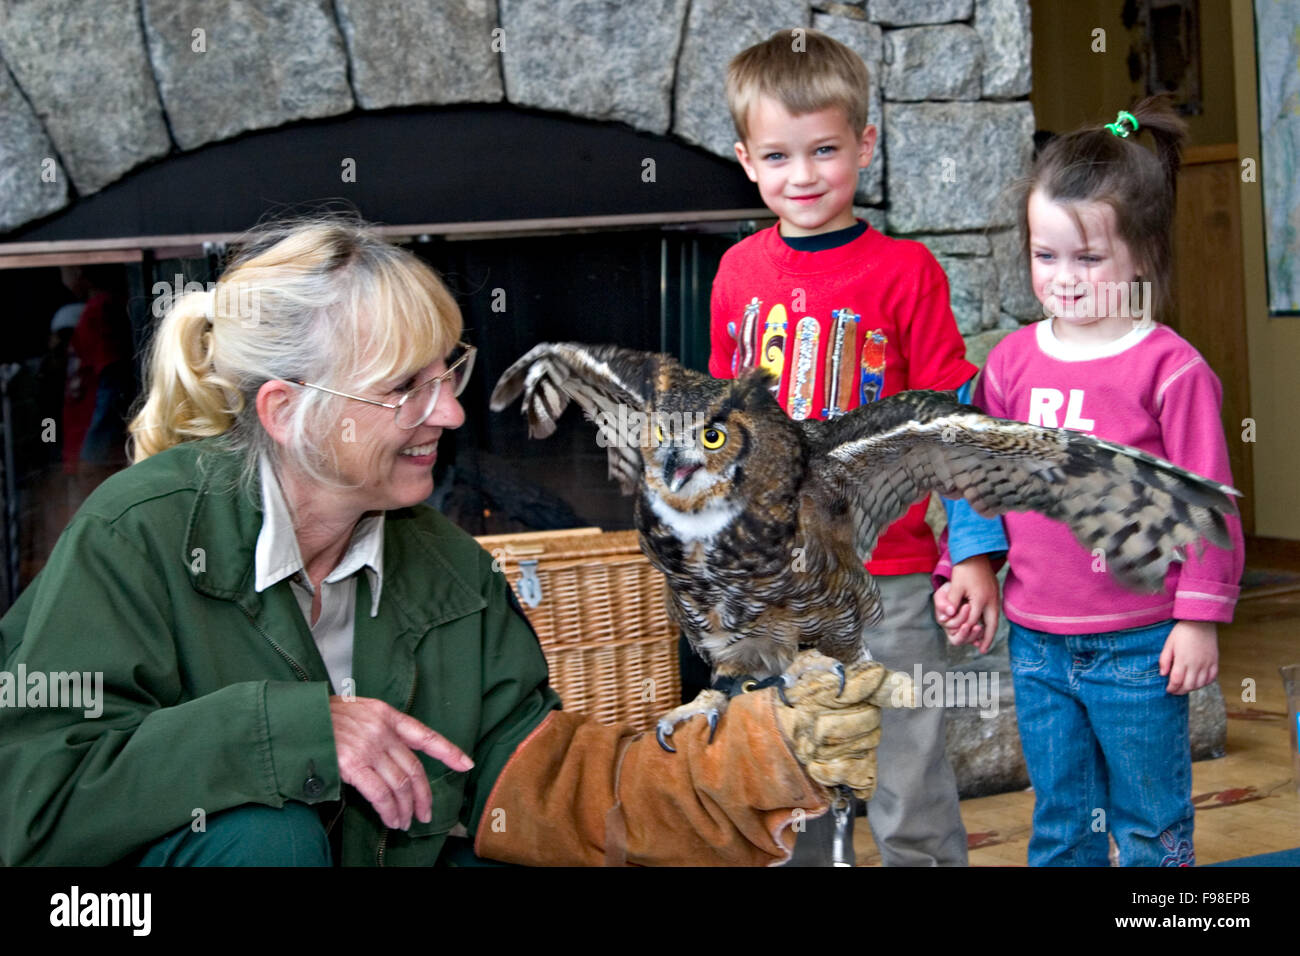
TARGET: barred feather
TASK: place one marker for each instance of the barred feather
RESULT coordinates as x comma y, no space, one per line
599,378
1140,510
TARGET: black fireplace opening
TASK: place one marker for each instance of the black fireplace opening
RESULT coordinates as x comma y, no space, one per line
643,288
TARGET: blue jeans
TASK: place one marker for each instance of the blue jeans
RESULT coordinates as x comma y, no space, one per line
1107,748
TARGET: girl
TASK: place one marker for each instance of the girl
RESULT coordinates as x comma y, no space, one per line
1101,674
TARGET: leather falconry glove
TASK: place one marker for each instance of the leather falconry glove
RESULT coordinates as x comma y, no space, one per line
832,717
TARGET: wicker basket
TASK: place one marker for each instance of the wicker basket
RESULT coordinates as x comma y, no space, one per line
600,611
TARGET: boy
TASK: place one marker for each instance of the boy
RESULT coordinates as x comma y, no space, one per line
842,316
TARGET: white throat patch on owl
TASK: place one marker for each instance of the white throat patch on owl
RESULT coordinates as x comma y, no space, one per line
698,525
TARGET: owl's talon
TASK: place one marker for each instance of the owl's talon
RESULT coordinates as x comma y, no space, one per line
662,736
710,704
809,662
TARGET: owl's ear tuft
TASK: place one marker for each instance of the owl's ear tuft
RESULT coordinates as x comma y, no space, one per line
755,386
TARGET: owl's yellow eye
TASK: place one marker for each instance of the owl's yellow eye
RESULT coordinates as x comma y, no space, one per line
713,438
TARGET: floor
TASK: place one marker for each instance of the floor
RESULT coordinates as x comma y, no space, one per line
1247,801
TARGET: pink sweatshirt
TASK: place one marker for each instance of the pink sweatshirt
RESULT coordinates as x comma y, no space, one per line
1149,389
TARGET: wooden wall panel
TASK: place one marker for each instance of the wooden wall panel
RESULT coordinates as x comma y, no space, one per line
1210,288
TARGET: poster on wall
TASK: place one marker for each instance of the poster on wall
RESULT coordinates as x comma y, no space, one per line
1277,39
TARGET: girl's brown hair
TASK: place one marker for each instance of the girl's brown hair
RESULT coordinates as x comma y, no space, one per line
1092,164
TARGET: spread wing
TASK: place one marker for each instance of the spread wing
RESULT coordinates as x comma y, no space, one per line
1141,510
600,378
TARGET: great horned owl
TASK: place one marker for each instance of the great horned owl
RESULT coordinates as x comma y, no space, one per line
762,524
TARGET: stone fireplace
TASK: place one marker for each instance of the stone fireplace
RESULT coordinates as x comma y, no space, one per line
91,93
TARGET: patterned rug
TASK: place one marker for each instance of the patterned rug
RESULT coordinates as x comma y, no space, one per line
1280,858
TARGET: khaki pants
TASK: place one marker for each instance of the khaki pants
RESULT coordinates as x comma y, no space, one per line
914,814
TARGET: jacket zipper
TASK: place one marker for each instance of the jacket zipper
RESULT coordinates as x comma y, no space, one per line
406,709
297,668
338,815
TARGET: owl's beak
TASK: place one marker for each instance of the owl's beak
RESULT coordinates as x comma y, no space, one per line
677,472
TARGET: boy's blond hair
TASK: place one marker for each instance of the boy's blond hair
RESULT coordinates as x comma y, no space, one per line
805,71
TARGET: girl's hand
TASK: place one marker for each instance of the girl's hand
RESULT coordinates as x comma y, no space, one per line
1190,656
967,606
952,621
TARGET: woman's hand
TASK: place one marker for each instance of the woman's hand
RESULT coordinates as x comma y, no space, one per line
375,743
967,606
1190,656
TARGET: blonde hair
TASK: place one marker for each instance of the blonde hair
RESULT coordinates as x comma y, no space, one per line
805,71
326,300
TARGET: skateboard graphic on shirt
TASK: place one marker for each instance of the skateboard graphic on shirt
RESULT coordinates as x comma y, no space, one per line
803,373
772,351
743,357
873,366
838,388
796,355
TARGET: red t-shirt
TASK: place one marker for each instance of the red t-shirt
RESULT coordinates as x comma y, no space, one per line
885,301
101,338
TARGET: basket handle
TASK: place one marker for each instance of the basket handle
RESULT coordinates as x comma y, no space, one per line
515,549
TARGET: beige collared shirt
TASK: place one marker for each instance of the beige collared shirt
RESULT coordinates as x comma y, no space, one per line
277,557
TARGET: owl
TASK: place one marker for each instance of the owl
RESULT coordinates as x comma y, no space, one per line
762,524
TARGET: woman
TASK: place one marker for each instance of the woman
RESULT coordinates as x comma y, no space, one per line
302,664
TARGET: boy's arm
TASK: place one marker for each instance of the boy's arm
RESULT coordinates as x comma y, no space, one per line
965,582
931,344
935,353
936,359
970,533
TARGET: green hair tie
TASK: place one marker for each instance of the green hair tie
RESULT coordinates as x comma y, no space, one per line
1117,127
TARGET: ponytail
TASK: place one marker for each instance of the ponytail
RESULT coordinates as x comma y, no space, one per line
1158,119
187,398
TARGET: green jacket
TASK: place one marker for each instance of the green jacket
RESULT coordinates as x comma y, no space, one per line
215,696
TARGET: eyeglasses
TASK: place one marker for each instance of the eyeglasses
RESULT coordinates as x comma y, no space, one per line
418,404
